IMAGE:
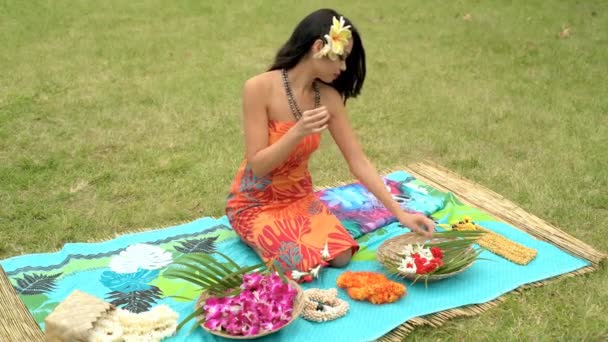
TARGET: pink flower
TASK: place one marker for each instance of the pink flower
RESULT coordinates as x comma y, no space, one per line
214,324
214,307
248,295
265,303
269,326
254,330
251,281
276,287
233,327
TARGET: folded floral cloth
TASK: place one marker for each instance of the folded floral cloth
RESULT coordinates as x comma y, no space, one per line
361,212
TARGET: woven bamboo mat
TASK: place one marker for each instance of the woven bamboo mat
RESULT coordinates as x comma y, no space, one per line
17,324
501,208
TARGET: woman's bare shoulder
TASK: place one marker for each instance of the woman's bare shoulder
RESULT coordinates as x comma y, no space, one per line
261,83
330,97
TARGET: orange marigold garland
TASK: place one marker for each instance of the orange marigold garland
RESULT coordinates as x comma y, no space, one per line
373,287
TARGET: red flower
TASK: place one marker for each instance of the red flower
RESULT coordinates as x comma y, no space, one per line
420,265
430,267
419,262
437,253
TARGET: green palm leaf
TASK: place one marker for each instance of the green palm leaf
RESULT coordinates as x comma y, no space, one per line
195,313
227,258
209,262
279,270
190,277
215,277
203,273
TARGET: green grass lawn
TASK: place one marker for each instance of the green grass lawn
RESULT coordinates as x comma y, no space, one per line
120,115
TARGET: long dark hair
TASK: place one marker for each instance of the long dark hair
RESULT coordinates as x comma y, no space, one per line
315,26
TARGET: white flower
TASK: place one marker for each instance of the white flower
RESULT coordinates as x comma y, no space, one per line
407,250
336,41
419,247
122,325
144,256
315,271
426,253
407,265
325,252
296,275
325,50
339,35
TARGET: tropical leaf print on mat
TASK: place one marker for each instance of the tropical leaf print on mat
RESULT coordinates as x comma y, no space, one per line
32,284
204,245
136,301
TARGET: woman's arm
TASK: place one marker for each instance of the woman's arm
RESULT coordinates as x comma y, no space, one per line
362,168
261,157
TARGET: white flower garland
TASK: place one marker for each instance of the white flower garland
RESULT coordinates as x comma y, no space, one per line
122,325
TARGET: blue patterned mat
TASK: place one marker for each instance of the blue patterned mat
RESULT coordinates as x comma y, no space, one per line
129,270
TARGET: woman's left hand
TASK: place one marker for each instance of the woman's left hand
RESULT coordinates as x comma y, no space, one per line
418,223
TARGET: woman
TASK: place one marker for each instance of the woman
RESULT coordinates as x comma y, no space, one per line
272,205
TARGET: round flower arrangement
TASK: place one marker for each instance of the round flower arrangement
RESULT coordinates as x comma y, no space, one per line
413,256
419,259
265,304
371,286
239,302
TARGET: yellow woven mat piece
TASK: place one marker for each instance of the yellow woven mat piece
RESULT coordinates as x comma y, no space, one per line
16,323
499,244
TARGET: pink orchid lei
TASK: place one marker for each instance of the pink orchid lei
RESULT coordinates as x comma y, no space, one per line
264,304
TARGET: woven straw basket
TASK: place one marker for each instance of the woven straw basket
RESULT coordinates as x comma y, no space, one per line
389,250
74,318
298,305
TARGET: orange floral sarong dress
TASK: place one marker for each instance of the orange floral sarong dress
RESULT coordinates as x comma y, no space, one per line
279,216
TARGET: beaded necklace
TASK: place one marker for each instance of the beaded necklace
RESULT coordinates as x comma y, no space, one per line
293,105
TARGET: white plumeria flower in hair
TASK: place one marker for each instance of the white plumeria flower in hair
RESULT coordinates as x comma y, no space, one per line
326,49
339,34
336,40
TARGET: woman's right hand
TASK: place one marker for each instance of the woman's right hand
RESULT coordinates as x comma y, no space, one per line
313,121
417,223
